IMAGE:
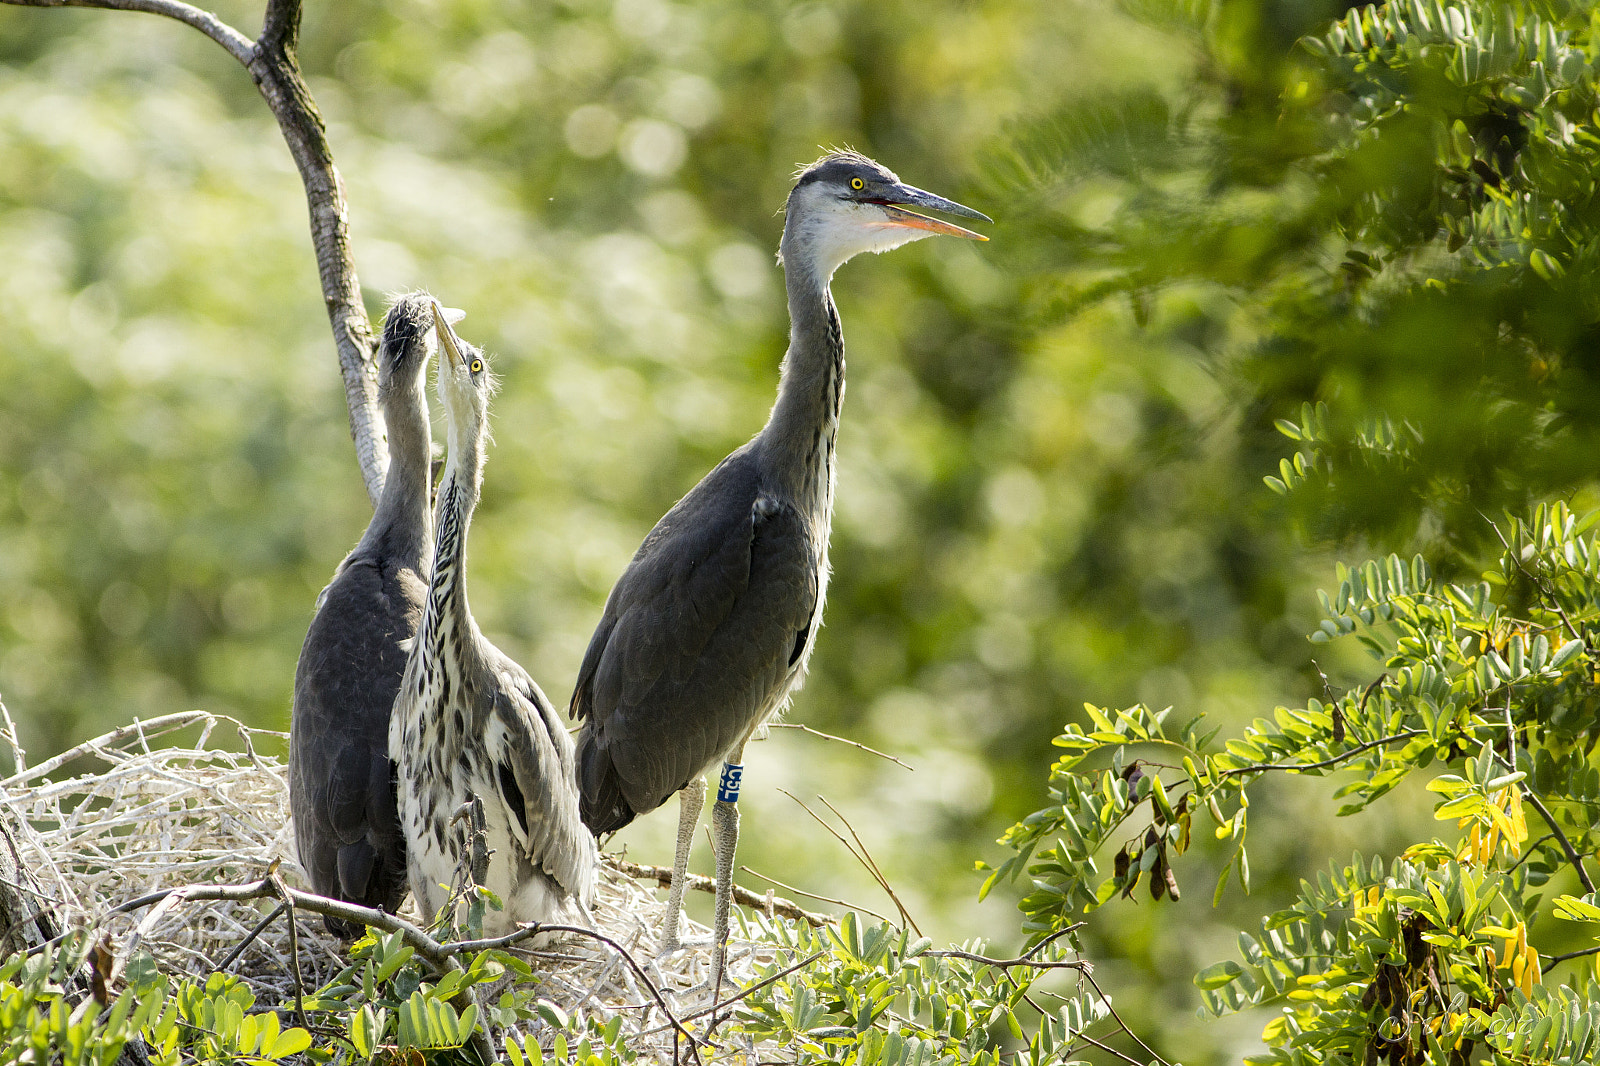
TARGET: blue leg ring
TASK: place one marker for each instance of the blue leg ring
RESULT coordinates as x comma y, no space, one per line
732,778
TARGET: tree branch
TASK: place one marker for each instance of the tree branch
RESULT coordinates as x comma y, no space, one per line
275,68
1566,845
237,44
662,875
1556,960
1555,830
1404,734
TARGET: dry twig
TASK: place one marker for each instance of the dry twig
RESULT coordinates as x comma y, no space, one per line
859,851
809,895
839,740
662,875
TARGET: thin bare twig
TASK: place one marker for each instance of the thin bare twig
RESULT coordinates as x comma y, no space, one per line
260,927
1404,734
19,754
860,856
533,929
236,43
812,895
1052,938
1556,960
1108,1049
872,864
662,875
758,986
1526,855
839,740
154,727
1021,960
1088,975
282,889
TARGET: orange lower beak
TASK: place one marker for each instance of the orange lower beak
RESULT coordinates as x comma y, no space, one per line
899,216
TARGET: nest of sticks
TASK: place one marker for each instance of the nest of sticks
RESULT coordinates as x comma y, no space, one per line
215,811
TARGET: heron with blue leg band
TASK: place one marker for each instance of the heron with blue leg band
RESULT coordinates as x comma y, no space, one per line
708,631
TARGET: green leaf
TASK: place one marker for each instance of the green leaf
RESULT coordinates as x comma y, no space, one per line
363,1031
289,1042
1218,974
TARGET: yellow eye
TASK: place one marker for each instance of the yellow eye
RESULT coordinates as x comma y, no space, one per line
477,366
856,183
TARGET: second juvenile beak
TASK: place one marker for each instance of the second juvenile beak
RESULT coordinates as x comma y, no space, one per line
443,318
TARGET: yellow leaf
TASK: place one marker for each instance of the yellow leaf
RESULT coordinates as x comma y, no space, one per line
1502,824
1519,824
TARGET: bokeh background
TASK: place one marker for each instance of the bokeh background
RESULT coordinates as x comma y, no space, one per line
1051,464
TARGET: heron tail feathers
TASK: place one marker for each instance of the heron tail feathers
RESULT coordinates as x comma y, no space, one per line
600,800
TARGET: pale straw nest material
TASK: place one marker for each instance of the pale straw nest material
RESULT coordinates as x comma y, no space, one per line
205,805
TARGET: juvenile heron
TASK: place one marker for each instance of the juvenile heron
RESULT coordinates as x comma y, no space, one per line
469,722
707,633
341,782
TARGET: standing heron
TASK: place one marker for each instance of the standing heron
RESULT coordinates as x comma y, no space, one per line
707,633
469,722
341,782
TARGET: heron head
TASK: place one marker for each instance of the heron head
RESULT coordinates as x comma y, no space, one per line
845,204
465,383
405,348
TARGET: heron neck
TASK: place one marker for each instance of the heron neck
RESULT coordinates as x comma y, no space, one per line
448,619
799,436
401,526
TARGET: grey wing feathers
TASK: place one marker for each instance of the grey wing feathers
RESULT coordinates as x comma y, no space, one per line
695,644
535,781
341,781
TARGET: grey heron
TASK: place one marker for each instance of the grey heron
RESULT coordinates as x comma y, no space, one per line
707,633
341,781
469,722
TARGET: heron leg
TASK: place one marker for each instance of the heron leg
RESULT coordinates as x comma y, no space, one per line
691,798
725,830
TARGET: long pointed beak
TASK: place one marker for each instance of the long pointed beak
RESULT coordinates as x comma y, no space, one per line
910,194
447,336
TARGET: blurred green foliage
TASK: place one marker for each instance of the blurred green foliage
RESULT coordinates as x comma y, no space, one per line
1052,459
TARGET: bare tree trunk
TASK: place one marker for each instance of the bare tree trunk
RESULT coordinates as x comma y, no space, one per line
273,63
27,918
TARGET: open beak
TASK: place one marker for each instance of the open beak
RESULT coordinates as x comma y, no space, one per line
443,317
908,194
